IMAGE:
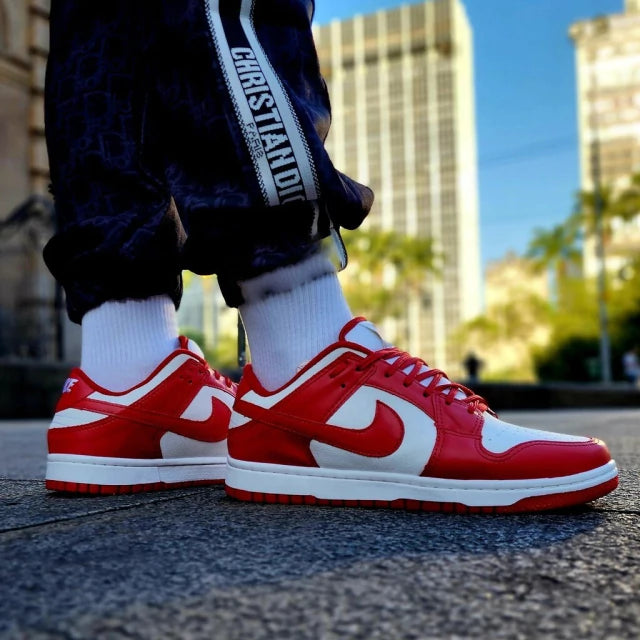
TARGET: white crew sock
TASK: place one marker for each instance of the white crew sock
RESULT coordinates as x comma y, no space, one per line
124,341
290,315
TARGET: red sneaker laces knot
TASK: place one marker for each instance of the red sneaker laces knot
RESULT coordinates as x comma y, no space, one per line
412,368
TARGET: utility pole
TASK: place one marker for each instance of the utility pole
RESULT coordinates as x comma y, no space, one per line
242,344
596,179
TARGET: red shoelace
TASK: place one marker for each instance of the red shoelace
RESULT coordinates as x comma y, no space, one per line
403,362
204,371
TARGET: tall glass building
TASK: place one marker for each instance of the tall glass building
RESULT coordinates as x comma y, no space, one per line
401,88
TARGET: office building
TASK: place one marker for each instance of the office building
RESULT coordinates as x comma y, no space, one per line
401,88
607,50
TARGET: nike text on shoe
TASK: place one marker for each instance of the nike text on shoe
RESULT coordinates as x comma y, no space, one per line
366,424
168,431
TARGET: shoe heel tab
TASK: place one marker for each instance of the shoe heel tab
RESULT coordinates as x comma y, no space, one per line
248,380
76,385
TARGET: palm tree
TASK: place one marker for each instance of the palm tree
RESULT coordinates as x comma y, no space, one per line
614,205
556,249
626,205
386,269
586,209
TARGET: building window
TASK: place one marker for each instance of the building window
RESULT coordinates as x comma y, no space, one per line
4,38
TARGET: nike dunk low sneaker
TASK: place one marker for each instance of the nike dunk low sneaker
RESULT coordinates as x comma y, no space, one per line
168,431
364,423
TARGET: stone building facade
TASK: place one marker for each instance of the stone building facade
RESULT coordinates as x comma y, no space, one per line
32,323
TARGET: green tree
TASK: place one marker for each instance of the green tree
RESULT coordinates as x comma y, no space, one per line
556,249
505,333
573,351
615,204
386,268
626,205
586,208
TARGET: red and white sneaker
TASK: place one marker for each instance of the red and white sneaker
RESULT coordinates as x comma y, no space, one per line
168,431
364,423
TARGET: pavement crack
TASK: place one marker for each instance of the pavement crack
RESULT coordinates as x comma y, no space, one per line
96,512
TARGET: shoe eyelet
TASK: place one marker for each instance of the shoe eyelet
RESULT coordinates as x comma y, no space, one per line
343,386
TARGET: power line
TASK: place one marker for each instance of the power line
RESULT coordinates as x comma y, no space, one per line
534,150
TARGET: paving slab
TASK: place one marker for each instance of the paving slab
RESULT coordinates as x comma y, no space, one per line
195,564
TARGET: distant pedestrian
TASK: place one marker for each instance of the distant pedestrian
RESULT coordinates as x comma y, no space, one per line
472,364
631,366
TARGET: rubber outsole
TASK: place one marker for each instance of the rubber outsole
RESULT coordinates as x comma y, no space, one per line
535,503
103,490
108,476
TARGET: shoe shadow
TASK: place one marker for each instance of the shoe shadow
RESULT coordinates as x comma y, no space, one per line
281,542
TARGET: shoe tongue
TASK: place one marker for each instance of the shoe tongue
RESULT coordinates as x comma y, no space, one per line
195,348
365,334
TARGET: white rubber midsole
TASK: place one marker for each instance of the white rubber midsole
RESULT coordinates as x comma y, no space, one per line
129,471
338,484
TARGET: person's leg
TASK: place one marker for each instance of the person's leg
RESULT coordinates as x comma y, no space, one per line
242,133
365,424
361,422
143,411
138,115
118,235
290,315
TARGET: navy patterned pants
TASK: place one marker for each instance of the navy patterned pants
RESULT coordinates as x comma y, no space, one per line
186,134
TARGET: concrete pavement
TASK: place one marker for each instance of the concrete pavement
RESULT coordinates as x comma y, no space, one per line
195,564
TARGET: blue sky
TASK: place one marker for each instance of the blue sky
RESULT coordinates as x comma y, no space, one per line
525,87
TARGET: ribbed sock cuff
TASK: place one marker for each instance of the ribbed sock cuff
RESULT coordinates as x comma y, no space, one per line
291,314
123,341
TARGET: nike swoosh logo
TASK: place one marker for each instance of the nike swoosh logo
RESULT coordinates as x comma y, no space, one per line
357,415
212,429
379,439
